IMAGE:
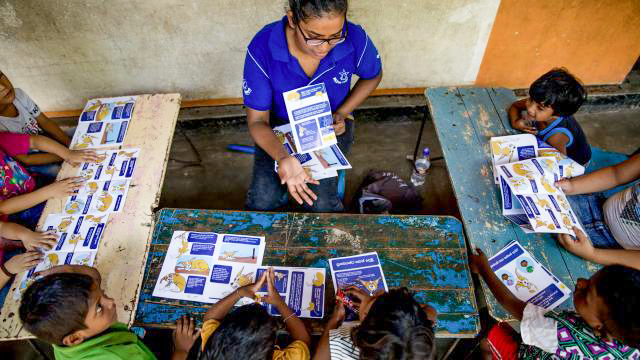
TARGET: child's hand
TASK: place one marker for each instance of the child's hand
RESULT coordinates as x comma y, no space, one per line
524,125
40,240
64,187
273,297
478,263
23,262
566,185
337,317
80,156
184,336
581,245
251,289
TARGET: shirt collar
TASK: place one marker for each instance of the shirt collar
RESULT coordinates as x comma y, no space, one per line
280,51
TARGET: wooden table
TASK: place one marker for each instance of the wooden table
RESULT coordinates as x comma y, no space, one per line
122,251
425,253
465,120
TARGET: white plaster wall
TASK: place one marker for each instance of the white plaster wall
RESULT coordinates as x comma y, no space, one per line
63,52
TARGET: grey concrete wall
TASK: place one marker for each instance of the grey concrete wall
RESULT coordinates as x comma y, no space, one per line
63,52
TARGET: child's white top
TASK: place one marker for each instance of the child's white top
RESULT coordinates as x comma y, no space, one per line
25,122
622,214
538,330
340,345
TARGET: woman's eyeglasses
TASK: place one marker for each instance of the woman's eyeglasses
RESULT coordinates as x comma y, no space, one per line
318,42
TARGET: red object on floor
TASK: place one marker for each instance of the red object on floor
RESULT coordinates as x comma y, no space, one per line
503,341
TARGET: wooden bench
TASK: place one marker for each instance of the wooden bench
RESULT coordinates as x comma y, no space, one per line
425,253
465,119
122,251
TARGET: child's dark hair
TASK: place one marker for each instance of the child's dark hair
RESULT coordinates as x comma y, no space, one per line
305,9
560,90
246,333
56,306
619,288
396,327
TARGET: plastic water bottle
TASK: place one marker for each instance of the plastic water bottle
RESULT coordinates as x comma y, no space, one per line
422,165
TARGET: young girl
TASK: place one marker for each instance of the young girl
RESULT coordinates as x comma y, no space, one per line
18,194
604,325
19,114
612,226
247,332
314,43
32,241
392,325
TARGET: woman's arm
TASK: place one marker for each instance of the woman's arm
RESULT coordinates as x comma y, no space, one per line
360,92
53,129
289,168
480,265
603,179
582,247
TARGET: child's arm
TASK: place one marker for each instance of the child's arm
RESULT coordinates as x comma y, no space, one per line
295,326
517,122
45,144
53,129
184,336
603,179
25,201
323,352
18,264
480,265
582,247
32,240
559,141
38,159
220,309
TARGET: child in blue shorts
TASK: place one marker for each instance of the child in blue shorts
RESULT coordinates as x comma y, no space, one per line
548,114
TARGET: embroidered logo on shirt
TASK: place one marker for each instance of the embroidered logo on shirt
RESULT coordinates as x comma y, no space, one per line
344,77
245,88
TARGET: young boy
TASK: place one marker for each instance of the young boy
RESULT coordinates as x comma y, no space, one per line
548,114
68,309
604,325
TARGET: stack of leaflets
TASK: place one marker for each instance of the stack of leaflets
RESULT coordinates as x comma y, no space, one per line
530,197
206,267
363,271
80,227
526,278
309,136
103,123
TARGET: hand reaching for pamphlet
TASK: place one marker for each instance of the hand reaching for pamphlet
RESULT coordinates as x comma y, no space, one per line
337,317
566,185
35,240
339,123
478,263
76,157
292,173
580,246
23,262
64,187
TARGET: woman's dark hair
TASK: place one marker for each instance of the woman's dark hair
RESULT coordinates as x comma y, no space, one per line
246,333
396,327
619,288
56,306
305,9
560,90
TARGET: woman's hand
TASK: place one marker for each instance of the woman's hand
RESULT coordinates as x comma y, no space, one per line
566,185
76,157
64,187
292,173
40,240
580,246
23,262
339,123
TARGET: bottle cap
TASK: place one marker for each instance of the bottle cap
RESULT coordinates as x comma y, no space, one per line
426,151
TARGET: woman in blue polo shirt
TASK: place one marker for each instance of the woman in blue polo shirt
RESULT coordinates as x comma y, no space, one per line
314,43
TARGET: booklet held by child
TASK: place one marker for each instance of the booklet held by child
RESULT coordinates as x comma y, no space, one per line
526,278
319,164
363,271
310,117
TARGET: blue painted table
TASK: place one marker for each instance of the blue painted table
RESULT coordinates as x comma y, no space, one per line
425,253
465,119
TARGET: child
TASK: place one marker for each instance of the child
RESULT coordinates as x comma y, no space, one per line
393,326
68,309
249,332
552,101
612,226
605,323
32,241
18,197
19,114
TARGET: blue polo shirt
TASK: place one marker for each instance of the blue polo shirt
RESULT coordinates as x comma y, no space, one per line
270,70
